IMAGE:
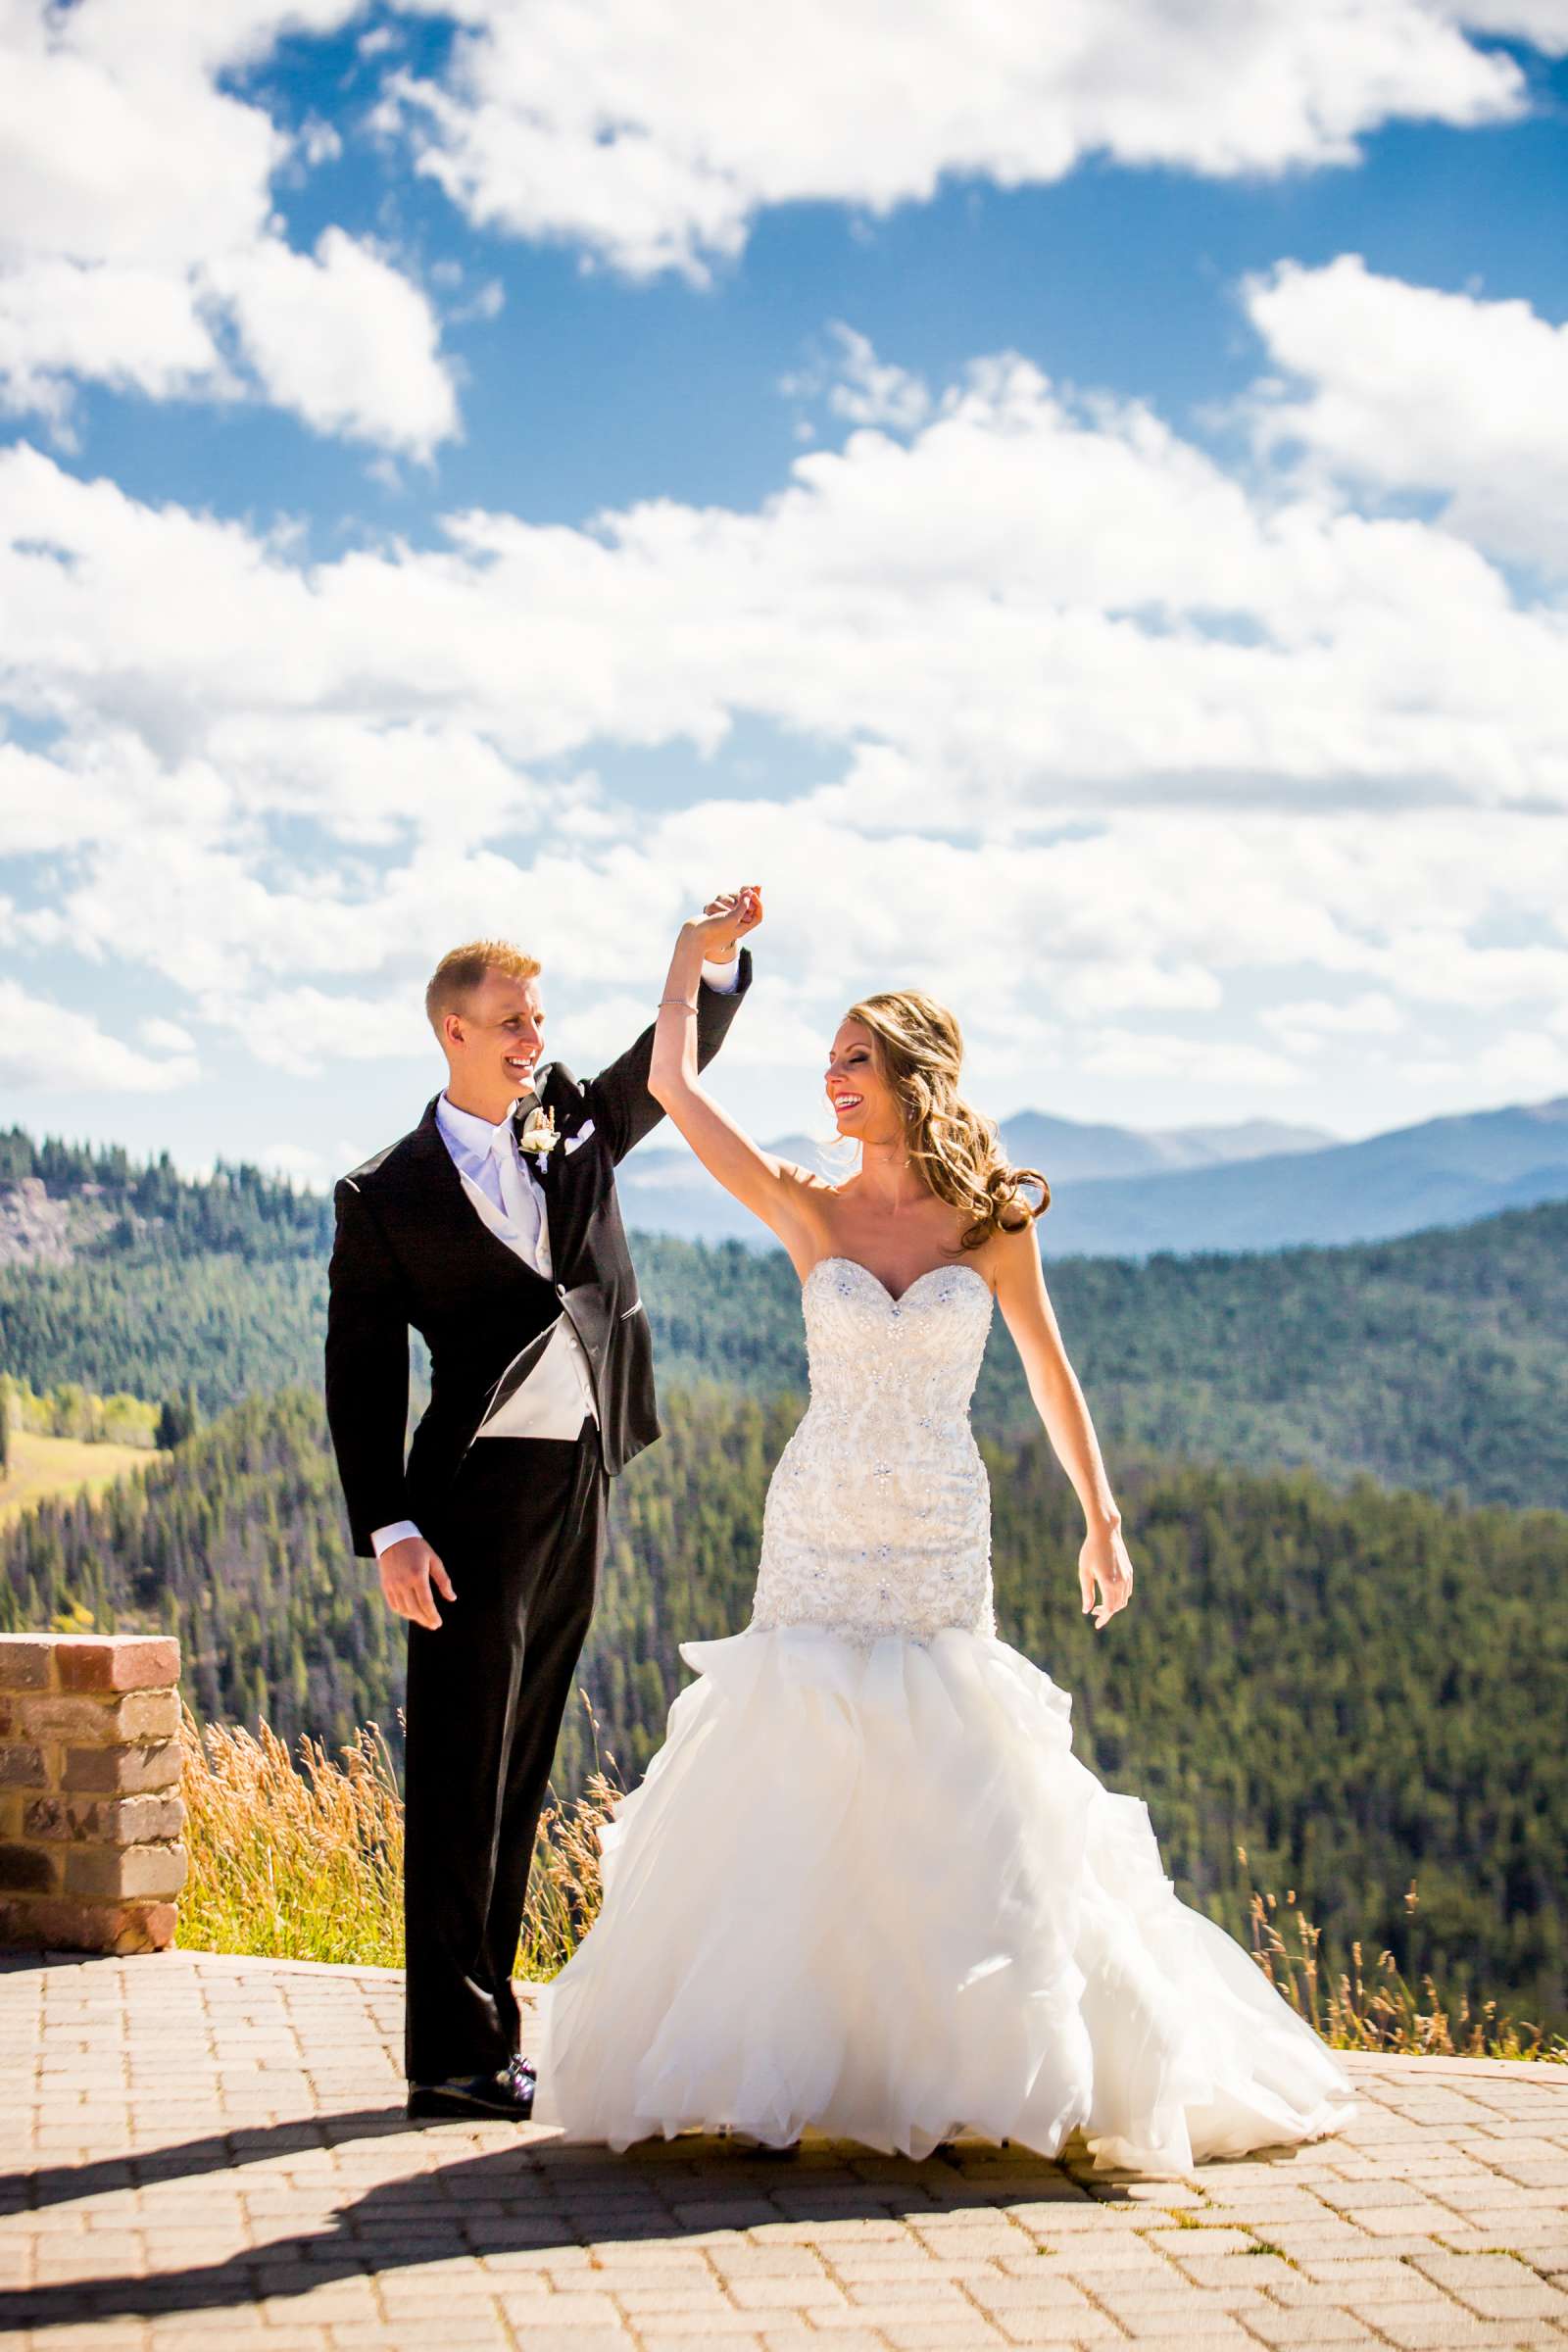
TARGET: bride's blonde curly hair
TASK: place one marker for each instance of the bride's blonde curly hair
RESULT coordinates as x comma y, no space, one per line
957,1149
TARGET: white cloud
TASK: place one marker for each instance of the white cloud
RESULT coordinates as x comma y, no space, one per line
343,339
1543,23
1031,606
97,790
319,141
110,322
1372,1013
1106,738
864,388
620,128
1131,1053
1401,387
1518,1065
307,1166
46,805
47,1049
164,1036
1307,1027
1134,948
1051,948
1112,747
1436,963
137,230
368,781
304,1030
109,123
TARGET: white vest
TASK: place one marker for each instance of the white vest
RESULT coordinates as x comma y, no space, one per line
558,1395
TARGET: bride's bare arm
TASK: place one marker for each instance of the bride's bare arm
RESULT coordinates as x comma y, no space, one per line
770,1187
1026,1308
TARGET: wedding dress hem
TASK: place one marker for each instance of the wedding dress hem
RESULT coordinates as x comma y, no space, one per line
866,1888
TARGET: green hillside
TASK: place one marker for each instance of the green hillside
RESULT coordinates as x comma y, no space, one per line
218,1284
1437,1362
1358,1688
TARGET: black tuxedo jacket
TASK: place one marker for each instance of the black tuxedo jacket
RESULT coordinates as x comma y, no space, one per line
410,1249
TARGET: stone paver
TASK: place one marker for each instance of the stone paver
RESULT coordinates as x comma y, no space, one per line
207,2152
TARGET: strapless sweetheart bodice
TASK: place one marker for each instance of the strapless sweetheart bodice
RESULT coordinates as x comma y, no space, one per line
878,1516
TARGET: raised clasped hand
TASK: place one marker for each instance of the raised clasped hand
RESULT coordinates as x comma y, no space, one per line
1103,1562
726,918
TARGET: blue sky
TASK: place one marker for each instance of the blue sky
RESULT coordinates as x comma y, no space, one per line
1080,516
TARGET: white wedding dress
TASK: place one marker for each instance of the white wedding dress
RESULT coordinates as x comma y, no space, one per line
865,1887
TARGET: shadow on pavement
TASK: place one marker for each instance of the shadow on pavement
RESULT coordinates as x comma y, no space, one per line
521,2200
215,2152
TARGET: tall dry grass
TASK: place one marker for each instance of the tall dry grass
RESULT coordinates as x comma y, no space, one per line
300,1857
291,1858
1371,2006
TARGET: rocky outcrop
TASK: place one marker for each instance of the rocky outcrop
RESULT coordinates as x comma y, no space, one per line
38,1229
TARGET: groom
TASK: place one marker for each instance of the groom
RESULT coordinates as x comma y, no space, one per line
493,1230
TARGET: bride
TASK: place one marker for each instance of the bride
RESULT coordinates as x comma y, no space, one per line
865,1887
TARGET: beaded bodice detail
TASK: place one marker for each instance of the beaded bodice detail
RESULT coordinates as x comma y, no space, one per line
878,1515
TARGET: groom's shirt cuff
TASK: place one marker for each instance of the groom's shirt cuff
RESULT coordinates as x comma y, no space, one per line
381,1538
723,977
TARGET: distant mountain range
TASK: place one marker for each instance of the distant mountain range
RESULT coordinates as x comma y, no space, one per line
1445,1171
1260,1184
662,1181
1072,1151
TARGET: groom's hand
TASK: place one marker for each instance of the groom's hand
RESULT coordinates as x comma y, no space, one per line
726,919
407,1571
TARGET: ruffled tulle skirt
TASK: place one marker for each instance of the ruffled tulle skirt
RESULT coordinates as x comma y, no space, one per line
870,1890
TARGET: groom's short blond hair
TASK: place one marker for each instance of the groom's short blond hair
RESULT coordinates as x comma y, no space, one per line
461,969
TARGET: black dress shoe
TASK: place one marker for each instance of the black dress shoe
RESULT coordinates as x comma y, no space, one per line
507,2095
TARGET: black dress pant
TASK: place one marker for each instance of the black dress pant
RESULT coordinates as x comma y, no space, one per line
521,1533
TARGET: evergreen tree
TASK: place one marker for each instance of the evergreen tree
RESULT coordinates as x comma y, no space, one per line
180,1417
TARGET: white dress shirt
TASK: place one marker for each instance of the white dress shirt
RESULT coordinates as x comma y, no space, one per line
501,1181
502,1190
507,1195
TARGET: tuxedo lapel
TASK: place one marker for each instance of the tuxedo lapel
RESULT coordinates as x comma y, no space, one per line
458,1210
560,1095
550,1196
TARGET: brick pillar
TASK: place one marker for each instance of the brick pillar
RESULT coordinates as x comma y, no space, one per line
90,1810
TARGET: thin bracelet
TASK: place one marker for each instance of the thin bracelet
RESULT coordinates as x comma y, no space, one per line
680,1000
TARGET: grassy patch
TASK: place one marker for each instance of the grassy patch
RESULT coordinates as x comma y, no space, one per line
300,1856
39,1467
1371,2006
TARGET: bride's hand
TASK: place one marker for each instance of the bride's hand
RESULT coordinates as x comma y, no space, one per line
1103,1562
725,920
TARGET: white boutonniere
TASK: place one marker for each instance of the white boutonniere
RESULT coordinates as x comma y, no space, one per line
538,1133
